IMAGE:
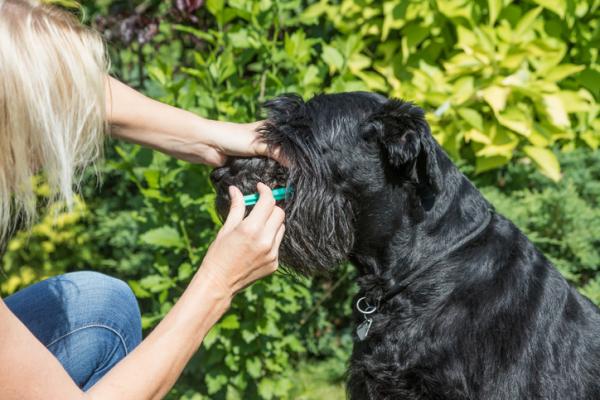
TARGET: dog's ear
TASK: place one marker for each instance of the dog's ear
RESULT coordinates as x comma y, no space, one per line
401,132
288,128
399,128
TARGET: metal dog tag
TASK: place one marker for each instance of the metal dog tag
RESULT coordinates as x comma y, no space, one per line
363,329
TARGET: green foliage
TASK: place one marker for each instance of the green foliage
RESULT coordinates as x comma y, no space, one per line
497,78
506,85
562,220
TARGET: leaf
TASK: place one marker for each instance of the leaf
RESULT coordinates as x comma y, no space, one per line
393,16
477,136
556,110
472,117
463,90
592,139
254,367
162,237
184,271
580,101
313,12
560,72
415,34
456,8
515,120
211,337
138,290
156,283
152,176
545,160
525,23
157,74
230,322
311,76
215,6
483,164
241,39
358,62
494,7
496,97
333,58
556,6
214,383
196,32
373,80
266,388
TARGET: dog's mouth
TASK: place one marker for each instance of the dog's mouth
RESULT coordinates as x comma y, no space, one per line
245,173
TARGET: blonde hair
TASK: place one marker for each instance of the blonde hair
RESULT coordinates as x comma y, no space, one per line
52,105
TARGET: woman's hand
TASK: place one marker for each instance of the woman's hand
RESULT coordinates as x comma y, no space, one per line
245,249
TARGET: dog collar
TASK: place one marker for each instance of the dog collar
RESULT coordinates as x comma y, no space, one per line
366,309
278,193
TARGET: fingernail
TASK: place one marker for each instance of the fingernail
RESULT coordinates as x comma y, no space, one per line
231,192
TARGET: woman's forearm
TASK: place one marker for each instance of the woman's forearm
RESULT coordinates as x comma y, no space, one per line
182,134
153,367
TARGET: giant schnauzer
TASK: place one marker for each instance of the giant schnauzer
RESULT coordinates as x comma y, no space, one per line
455,302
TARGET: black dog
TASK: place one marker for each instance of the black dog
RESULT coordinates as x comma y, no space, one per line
455,302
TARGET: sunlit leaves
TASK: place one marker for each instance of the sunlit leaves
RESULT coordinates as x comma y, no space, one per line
546,161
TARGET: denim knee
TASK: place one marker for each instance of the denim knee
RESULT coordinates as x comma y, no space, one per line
110,301
59,305
88,320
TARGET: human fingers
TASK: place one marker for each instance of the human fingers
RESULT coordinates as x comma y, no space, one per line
279,237
237,209
263,208
274,222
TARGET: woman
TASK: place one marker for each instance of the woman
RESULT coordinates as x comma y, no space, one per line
77,335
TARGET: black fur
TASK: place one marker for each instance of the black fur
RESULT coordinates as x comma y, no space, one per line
482,315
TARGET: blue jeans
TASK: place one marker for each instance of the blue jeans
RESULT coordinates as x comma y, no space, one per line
88,320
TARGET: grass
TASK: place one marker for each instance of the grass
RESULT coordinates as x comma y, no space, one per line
319,380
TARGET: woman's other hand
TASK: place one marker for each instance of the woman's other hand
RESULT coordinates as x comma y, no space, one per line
245,249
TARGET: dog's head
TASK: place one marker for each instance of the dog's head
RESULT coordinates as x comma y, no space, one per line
344,151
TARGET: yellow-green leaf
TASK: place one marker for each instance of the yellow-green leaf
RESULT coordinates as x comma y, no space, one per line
545,160
494,7
561,71
526,22
333,58
373,80
483,164
557,6
580,101
496,97
556,110
472,117
515,120
477,136
463,90
358,62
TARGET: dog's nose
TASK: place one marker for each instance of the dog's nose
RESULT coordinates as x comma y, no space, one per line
217,175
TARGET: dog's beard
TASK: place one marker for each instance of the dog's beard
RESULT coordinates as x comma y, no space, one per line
319,220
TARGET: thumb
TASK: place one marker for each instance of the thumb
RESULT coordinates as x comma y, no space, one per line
237,209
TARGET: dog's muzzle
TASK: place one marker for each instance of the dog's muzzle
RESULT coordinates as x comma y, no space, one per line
245,173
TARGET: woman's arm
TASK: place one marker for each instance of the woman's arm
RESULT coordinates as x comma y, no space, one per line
244,251
180,133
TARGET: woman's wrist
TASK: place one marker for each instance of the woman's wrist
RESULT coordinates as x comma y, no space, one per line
207,288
